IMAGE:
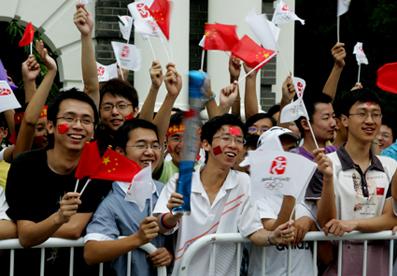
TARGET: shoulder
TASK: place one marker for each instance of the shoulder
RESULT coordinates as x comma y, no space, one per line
33,155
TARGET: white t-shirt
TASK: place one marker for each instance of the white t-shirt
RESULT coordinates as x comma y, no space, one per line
277,256
232,211
3,205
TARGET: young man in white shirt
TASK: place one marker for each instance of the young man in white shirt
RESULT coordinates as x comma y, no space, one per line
220,202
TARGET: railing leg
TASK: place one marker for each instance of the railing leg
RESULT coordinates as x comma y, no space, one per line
340,250
365,258
391,251
42,261
12,260
71,261
315,269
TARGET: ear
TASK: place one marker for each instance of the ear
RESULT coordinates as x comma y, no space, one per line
345,120
50,127
205,145
120,150
305,124
135,111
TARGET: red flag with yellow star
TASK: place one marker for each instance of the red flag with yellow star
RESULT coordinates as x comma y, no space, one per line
251,53
116,167
28,35
160,11
220,37
89,161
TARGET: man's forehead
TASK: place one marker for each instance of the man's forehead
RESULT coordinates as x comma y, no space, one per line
76,106
232,130
366,105
323,108
110,98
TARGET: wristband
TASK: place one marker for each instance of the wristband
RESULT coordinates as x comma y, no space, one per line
210,98
269,242
165,225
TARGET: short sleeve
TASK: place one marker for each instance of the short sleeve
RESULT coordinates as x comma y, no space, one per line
249,221
268,208
315,187
103,222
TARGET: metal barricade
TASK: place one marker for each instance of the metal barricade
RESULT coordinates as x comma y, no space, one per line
13,244
314,237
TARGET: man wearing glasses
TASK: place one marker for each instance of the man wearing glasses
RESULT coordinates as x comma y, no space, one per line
137,140
40,184
358,194
220,202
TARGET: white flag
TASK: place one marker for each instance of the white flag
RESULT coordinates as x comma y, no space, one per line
264,30
343,7
141,188
279,172
282,14
128,56
125,25
106,72
202,41
143,22
299,85
7,98
293,111
360,55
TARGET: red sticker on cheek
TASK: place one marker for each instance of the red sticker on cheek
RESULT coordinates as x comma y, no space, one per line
129,117
63,128
217,150
235,131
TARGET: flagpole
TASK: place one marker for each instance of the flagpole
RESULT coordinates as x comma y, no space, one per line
121,71
202,60
165,47
359,72
337,28
256,67
76,185
309,124
85,186
31,47
151,47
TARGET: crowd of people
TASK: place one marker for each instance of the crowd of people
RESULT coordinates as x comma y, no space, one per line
352,189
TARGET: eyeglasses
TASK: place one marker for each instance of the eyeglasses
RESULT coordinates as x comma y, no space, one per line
119,106
144,146
254,129
362,115
228,139
73,118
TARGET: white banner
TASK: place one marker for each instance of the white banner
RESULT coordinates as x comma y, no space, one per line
7,98
282,14
299,85
264,30
141,188
279,172
125,25
360,55
293,111
106,72
128,56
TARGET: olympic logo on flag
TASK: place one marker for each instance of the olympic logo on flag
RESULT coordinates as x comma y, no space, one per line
273,184
125,51
278,166
143,10
285,7
101,71
5,91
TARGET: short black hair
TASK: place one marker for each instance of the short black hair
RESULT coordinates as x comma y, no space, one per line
274,109
359,95
212,126
73,94
176,118
387,121
122,134
117,87
259,116
310,102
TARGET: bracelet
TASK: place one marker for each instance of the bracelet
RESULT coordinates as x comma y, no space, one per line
165,225
210,98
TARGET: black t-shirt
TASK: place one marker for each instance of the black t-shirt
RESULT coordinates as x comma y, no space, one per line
34,190
33,193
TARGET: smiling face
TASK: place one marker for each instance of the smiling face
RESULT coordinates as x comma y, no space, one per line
74,125
363,122
114,110
143,147
323,122
226,147
384,137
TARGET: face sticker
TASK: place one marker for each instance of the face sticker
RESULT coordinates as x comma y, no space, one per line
129,117
217,150
369,104
235,131
63,128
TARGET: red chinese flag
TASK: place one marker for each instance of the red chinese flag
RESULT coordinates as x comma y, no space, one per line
28,35
89,161
220,37
160,11
387,77
116,167
251,53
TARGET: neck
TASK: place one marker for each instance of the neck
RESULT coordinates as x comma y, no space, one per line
359,152
309,145
62,161
213,175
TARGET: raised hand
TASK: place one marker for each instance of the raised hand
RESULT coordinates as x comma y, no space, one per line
173,81
30,69
288,89
156,74
83,20
234,68
324,164
45,57
339,54
228,95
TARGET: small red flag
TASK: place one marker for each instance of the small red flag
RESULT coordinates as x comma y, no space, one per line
220,37
28,35
251,53
160,11
116,167
387,77
89,161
